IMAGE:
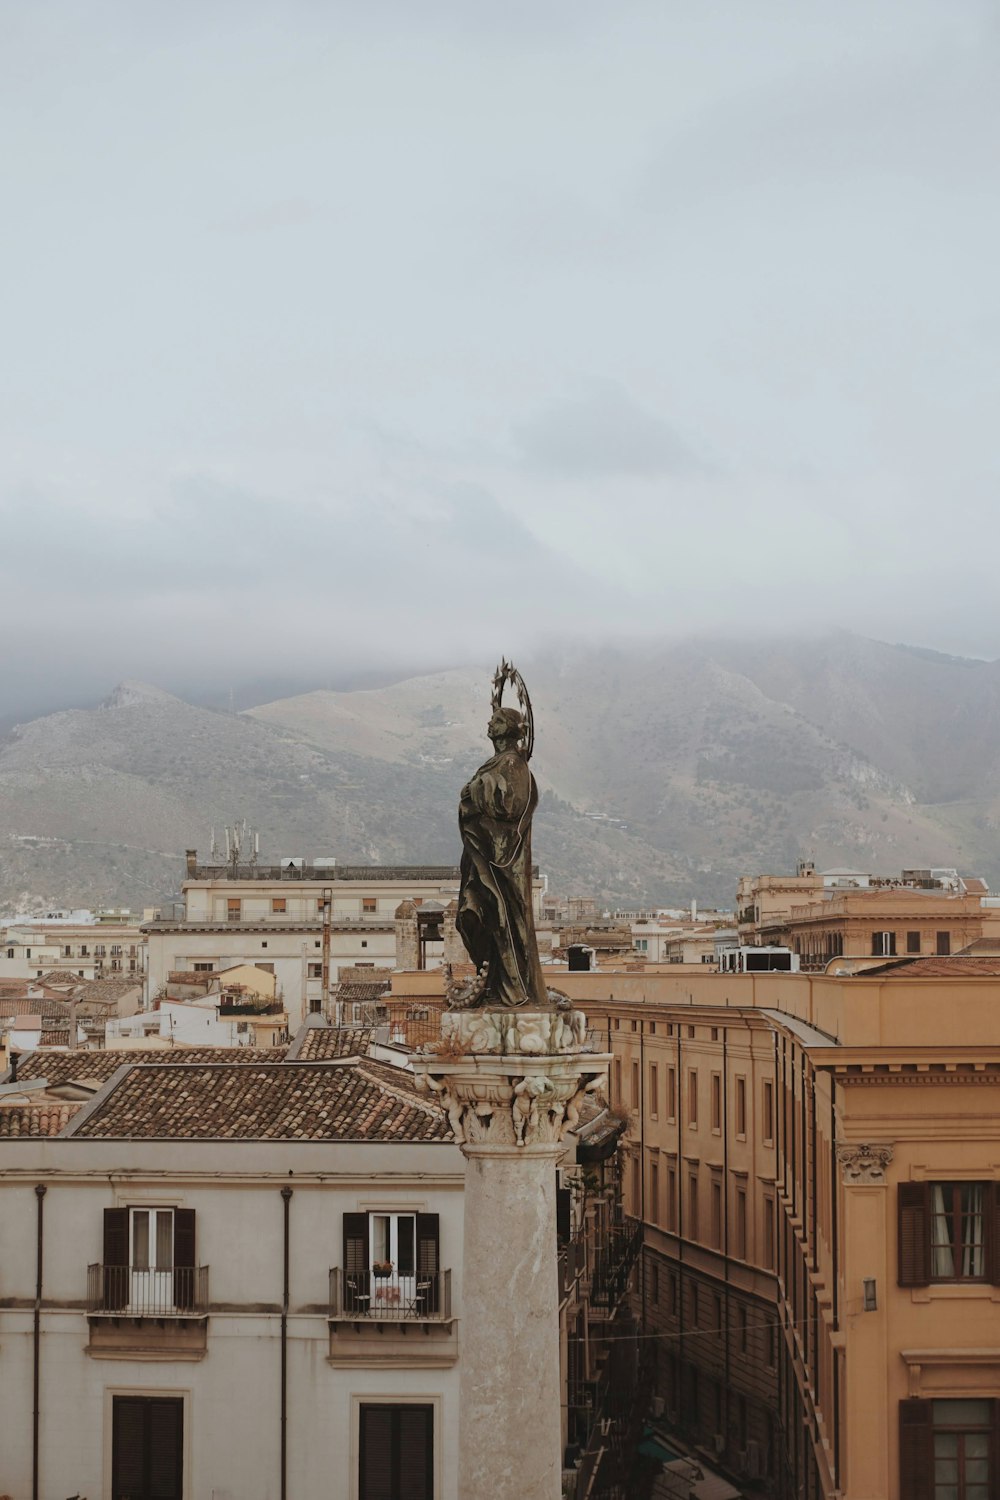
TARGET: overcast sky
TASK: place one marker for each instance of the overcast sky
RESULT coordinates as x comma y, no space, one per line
346,334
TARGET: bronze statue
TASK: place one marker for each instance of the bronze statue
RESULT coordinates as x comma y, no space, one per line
495,917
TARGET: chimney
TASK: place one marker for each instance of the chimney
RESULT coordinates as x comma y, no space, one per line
13,1066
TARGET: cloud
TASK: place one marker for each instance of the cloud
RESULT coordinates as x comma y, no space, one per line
602,433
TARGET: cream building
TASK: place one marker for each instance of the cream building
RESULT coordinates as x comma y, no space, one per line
192,1281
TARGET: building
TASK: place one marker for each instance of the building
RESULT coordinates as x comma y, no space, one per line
303,921
107,946
849,914
268,1252
816,1162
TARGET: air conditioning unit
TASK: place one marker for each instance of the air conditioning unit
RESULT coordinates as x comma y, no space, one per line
656,1406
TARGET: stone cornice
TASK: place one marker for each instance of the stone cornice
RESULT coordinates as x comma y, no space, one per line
917,1080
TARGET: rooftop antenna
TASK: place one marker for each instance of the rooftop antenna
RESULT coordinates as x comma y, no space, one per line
242,846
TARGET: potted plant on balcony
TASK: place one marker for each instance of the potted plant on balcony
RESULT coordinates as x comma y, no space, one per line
381,1269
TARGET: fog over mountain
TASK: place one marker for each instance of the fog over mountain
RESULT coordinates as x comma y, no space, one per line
666,771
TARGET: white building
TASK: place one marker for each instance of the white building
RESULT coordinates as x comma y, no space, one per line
274,916
212,1318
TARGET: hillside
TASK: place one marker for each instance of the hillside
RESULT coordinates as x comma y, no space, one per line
666,772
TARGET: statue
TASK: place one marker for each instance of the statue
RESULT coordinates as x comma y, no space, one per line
495,918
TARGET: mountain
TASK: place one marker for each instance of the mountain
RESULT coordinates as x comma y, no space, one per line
666,772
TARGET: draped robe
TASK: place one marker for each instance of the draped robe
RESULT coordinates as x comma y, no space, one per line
495,918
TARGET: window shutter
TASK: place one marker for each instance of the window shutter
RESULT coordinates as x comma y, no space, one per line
184,1259
563,1197
127,1432
116,1274
376,1446
992,1193
914,1234
165,1448
355,1242
429,1260
416,1451
916,1451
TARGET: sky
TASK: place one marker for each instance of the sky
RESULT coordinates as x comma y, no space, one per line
383,336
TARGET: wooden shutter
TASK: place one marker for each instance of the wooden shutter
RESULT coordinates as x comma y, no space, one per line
164,1444
415,1441
429,1260
914,1234
991,1225
128,1428
916,1451
116,1272
184,1258
355,1242
563,1198
376,1448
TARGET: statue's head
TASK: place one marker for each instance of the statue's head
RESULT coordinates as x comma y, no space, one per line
507,724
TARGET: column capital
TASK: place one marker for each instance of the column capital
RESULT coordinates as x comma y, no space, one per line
863,1164
512,1080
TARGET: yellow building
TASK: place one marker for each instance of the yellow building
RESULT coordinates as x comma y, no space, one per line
816,1161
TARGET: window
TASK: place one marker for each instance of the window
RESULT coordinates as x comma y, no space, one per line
396,1452
913,942
654,1282
716,1214
672,1198
945,1449
884,944
948,1232
635,1085
147,1447
767,1112
769,1233
149,1261
740,1247
671,1093
369,904
654,1090
674,1296
279,904
392,1264
234,908
202,968
618,1081
716,1101
742,1327
654,1191
741,1107
693,1206
943,944
314,971
692,1096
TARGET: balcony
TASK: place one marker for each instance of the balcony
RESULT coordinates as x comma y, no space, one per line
143,1314
373,1320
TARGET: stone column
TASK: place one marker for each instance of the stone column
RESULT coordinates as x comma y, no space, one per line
512,1083
407,937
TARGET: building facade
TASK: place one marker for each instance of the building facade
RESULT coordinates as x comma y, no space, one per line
816,1162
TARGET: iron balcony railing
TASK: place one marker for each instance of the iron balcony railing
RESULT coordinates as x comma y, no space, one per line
612,1260
137,1292
424,1297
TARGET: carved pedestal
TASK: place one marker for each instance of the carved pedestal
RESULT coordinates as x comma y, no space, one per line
512,1083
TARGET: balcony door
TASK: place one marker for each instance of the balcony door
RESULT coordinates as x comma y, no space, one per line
393,1241
151,1257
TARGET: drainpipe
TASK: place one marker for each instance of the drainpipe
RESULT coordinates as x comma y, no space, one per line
286,1198
37,1341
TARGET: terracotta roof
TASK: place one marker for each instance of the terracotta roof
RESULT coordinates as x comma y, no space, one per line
955,966
275,1102
321,1043
24,1120
357,993
62,1067
33,1005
